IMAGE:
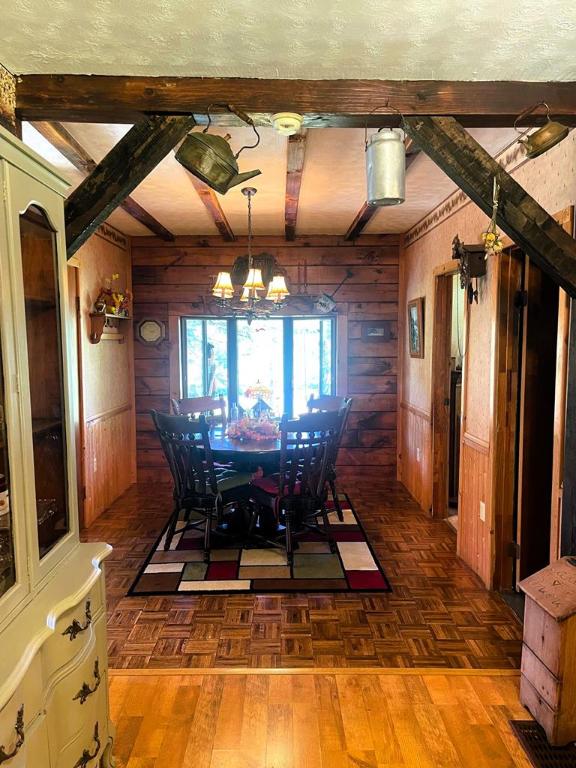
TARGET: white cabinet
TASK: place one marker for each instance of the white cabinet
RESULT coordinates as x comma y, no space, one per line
53,670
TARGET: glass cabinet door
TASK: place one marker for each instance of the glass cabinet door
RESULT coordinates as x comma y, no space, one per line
7,566
42,304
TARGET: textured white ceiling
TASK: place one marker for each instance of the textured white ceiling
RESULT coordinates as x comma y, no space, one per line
414,39
333,182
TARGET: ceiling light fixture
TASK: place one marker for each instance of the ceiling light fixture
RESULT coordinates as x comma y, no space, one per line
287,123
252,304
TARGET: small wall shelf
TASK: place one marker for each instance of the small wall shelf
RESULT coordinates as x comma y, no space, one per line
107,327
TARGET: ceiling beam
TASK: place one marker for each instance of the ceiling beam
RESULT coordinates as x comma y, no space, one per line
296,152
74,152
454,150
8,118
367,211
212,205
119,173
120,99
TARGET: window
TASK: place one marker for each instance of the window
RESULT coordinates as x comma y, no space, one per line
294,357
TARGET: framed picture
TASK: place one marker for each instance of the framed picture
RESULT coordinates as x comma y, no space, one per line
416,327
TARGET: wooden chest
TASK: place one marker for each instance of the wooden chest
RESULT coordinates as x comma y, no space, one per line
548,681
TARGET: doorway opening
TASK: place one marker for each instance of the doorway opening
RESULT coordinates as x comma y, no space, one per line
447,361
525,402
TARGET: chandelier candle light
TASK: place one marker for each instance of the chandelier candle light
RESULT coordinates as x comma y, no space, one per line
253,288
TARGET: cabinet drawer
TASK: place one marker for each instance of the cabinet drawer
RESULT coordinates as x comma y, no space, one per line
35,752
537,707
74,629
543,635
91,743
540,677
28,696
81,696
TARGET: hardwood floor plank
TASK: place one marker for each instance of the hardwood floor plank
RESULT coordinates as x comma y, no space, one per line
343,720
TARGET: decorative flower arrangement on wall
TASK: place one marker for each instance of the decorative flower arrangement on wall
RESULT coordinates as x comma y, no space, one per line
111,300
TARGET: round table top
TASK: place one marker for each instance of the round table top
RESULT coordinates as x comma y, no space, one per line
221,443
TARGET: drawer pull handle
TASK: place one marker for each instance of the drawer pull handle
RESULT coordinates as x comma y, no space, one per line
87,756
19,728
76,628
86,691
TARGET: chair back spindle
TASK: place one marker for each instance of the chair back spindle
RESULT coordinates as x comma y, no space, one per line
186,446
213,408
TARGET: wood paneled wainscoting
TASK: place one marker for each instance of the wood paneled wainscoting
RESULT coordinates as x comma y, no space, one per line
474,533
171,280
107,472
415,452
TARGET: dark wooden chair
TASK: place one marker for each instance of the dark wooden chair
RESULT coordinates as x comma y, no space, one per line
199,486
329,404
213,408
326,403
297,494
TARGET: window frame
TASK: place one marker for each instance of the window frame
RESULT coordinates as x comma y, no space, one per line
232,354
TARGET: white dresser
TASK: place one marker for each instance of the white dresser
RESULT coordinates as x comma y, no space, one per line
53,662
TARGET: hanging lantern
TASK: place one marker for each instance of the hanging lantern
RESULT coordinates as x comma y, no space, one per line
386,167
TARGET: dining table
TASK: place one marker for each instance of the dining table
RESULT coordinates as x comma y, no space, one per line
246,455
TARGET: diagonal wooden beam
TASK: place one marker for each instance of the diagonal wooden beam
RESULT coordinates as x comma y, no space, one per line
212,205
119,173
74,152
351,103
367,211
461,158
296,151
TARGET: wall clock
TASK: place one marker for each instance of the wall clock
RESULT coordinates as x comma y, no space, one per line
151,331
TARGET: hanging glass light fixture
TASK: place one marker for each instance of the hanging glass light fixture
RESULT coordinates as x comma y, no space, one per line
252,303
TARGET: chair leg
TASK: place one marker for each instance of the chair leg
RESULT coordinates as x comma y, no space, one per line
207,532
337,505
172,526
289,542
328,528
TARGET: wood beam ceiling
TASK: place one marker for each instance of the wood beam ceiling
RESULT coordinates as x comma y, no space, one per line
296,152
350,103
119,173
8,118
454,150
74,152
367,211
210,200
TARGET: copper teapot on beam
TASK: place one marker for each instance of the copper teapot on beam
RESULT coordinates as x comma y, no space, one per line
210,158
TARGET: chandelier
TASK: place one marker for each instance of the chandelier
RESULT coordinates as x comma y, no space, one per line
257,299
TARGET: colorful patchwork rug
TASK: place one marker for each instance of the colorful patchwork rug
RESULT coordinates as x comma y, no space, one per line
239,568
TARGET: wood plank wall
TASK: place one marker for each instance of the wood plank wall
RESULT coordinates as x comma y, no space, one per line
174,279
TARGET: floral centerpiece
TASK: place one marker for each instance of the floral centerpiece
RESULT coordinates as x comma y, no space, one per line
253,429
112,301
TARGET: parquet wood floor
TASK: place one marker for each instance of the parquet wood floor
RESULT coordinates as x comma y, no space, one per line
340,720
439,614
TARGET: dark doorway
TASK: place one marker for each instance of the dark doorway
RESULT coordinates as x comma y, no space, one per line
447,357
539,307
